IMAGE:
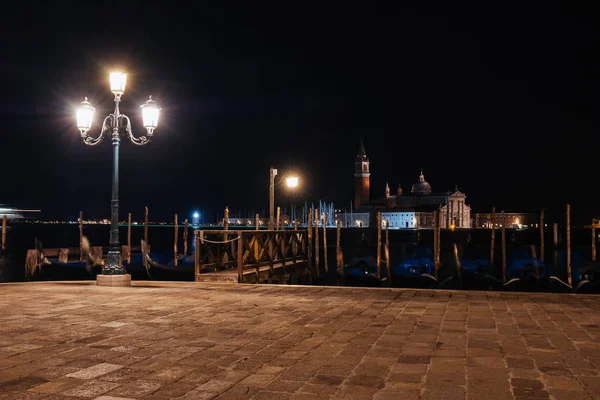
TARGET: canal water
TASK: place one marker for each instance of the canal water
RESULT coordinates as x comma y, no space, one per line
472,243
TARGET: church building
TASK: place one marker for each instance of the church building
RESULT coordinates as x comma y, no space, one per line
404,210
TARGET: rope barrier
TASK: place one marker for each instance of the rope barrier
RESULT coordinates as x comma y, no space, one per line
220,241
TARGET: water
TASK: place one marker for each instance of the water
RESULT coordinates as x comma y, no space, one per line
354,241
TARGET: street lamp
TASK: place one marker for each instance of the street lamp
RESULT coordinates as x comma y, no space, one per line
291,182
116,123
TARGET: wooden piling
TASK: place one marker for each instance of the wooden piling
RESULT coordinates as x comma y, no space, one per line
569,278
226,219
176,224
146,225
317,264
278,220
257,221
338,247
492,246
197,255
555,229
129,238
503,239
80,236
435,242
593,240
439,240
4,221
185,237
325,244
309,240
535,264
387,251
542,249
458,265
379,244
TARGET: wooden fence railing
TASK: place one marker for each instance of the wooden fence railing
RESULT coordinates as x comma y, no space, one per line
256,255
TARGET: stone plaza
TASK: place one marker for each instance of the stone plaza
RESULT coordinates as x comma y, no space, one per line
164,340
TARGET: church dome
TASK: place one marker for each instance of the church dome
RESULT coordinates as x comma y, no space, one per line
422,186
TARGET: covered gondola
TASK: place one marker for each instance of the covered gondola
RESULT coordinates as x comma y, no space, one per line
362,271
61,268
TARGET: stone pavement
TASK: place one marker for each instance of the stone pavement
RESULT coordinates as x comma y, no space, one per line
227,341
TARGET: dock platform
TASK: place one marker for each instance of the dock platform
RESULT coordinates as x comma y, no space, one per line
195,340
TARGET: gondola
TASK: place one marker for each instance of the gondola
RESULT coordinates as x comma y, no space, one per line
45,268
362,271
167,270
476,275
527,273
415,273
585,275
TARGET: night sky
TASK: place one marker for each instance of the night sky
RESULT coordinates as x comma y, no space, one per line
501,101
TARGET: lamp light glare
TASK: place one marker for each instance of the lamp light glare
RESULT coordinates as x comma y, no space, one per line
292,181
117,82
150,112
85,116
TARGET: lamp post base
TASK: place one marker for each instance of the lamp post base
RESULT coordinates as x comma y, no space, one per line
113,280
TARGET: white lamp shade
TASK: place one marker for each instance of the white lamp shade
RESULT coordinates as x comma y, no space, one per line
150,112
292,181
117,82
85,115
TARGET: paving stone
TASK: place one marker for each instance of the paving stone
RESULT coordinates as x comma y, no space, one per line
227,341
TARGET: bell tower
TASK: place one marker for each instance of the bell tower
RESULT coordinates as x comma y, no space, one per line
362,180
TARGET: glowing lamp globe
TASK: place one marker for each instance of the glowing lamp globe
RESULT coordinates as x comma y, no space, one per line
150,113
85,116
292,181
196,215
117,82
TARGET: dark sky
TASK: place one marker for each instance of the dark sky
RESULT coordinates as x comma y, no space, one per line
500,100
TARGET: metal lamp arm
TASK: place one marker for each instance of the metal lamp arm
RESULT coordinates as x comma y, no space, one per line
281,179
139,141
93,141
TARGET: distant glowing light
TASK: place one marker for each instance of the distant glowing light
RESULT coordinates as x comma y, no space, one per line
196,215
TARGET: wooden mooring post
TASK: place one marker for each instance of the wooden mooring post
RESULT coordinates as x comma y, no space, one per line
503,244
542,250
4,221
338,247
387,251
80,236
458,265
317,264
593,240
325,263
278,220
569,278
439,242
309,234
435,242
493,238
257,221
197,239
175,240
185,237
379,244
129,237
146,225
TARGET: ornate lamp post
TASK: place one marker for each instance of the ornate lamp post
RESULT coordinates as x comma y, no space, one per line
114,125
